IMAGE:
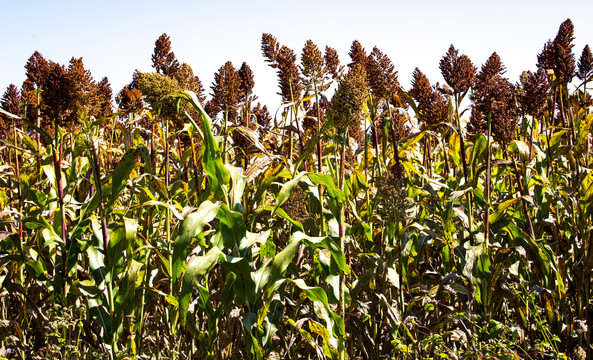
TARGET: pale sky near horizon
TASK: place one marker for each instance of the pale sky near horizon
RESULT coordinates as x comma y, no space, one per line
116,37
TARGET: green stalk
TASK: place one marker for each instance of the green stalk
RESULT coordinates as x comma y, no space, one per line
103,215
488,175
18,180
464,163
342,305
224,130
319,159
38,119
523,192
298,126
59,182
197,182
170,309
366,172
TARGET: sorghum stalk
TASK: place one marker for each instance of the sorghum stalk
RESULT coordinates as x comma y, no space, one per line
103,215
488,175
319,157
341,341
59,183
197,181
464,163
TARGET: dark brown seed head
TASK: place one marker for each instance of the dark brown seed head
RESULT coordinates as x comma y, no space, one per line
358,55
56,95
533,93
332,63
421,89
247,82
10,102
585,65
226,90
129,99
270,49
458,71
283,59
493,94
37,69
557,54
104,95
163,59
263,118
433,107
381,75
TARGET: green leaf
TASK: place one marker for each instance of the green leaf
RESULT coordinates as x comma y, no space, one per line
477,153
329,184
270,272
324,243
122,172
36,269
243,284
190,228
518,146
495,216
212,156
286,190
237,187
232,227
196,268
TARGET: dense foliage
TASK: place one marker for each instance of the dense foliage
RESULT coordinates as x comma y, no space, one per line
364,221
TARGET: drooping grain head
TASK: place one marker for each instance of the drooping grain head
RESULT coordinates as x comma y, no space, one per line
270,49
283,59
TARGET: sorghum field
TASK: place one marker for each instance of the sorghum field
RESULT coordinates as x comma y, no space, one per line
363,219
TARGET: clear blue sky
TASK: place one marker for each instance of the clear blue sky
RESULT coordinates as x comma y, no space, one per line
116,37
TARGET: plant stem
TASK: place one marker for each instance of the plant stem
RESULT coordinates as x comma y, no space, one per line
488,176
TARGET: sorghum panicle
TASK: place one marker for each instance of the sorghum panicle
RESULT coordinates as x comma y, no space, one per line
458,71
585,65
348,101
493,94
557,54
533,93
332,63
432,105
